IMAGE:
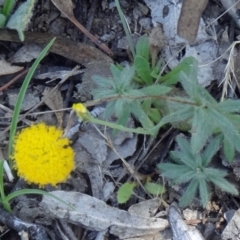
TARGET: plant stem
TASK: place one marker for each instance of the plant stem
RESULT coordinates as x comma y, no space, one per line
166,98
120,127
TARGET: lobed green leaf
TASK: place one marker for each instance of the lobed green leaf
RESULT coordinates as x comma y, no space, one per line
125,192
20,18
155,90
189,193
154,188
203,191
225,185
211,150
172,171
184,113
143,69
173,76
228,149
142,47
202,129
229,106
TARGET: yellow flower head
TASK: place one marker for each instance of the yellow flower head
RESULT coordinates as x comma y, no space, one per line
81,111
42,156
79,108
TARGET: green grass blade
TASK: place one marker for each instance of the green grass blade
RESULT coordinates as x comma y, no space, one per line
1,180
129,39
34,191
4,202
20,98
7,7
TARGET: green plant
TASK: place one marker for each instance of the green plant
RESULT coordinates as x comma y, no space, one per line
194,106
142,91
19,19
5,11
126,190
193,169
128,95
205,115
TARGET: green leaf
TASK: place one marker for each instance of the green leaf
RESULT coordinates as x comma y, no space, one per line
126,77
213,173
155,115
102,81
122,120
154,188
211,150
35,191
2,193
8,6
20,18
188,160
142,117
116,72
155,90
146,105
183,114
125,191
229,106
142,47
120,107
203,191
173,76
185,147
169,170
228,150
229,131
155,73
225,185
125,27
143,69
4,200
184,178
196,92
189,193
235,119
201,129
189,80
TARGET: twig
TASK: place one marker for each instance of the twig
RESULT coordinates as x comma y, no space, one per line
35,231
90,18
4,87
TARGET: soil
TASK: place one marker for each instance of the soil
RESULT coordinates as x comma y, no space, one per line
102,20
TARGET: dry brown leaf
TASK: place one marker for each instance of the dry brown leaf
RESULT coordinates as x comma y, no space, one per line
26,53
66,8
189,19
54,102
6,68
76,51
96,215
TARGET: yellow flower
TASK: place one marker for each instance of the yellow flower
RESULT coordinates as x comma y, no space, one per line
42,156
79,108
81,111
